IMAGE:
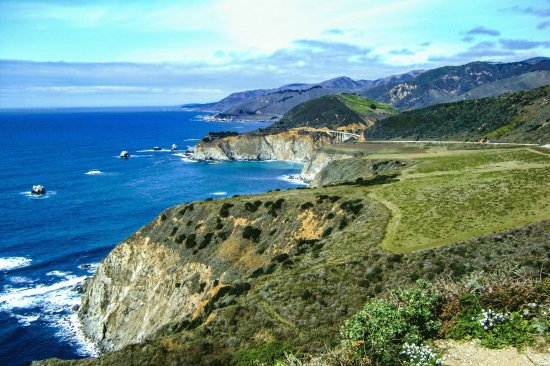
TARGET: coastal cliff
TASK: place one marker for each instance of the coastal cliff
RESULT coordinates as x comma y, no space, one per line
346,163
139,288
319,160
191,266
295,145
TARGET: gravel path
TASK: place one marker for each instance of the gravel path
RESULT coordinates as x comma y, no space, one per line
471,353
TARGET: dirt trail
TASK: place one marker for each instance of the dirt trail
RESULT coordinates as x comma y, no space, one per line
471,353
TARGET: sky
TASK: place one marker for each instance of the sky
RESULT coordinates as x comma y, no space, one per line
146,53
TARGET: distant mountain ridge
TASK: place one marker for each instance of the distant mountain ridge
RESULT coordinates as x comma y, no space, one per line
448,83
414,89
273,103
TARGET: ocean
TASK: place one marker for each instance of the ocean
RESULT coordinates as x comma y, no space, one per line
94,200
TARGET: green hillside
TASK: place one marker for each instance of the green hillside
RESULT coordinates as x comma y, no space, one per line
519,117
333,111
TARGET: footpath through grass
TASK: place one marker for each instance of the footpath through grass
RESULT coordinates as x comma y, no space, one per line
453,195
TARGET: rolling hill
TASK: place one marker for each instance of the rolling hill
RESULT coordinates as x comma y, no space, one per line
518,117
333,111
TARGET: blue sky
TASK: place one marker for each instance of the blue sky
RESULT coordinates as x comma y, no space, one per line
122,53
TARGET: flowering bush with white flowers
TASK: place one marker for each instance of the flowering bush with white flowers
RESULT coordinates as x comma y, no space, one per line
495,329
490,318
421,355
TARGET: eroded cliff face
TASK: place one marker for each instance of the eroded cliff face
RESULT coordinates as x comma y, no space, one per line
319,160
295,145
138,289
183,270
328,168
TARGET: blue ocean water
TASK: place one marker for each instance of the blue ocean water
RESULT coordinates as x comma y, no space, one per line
94,201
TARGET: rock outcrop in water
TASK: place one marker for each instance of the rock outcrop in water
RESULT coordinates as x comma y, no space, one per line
38,190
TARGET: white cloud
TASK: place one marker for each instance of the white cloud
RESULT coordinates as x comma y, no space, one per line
119,89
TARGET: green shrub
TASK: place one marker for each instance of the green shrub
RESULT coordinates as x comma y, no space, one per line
224,210
380,330
180,238
252,206
343,223
267,353
306,205
189,207
322,198
163,217
206,240
191,241
278,204
353,206
257,272
174,230
327,232
396,258
280,257
302,245
252,233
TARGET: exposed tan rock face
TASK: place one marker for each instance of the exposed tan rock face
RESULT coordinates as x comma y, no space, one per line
138,289
319,160
291,145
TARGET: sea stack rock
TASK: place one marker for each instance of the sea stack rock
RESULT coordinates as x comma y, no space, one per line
156,148
38,189
124,154
174,147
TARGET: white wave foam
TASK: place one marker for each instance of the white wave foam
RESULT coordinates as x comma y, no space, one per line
26,320
294,179
219,193
131,156
20,279
70,330
187,160
151,150
9,263
41,295
94,172
58,273
52,304
190,139
183,155
89,267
